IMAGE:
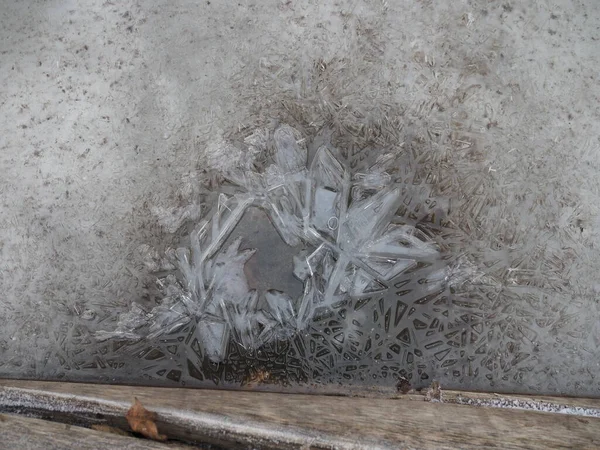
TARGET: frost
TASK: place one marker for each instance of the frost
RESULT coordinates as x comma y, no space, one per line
172,218
129,322
291,154
348,246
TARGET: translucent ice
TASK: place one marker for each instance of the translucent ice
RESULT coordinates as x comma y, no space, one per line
280,307
290,150
127,326
341,225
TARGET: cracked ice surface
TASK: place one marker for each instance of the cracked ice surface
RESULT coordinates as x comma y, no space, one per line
341,224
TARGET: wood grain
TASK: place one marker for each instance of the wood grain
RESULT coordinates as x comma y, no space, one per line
32,434
266,420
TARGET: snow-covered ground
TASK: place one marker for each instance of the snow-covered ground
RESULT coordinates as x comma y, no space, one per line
118,118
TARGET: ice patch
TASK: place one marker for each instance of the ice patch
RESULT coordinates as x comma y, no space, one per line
348,249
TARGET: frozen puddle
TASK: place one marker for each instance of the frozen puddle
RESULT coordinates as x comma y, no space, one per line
333,238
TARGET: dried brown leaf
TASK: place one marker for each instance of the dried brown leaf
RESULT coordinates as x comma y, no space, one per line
403,385
255,378
143,421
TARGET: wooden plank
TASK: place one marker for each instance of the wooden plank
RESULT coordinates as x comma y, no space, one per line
566,405
266,420
27,433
